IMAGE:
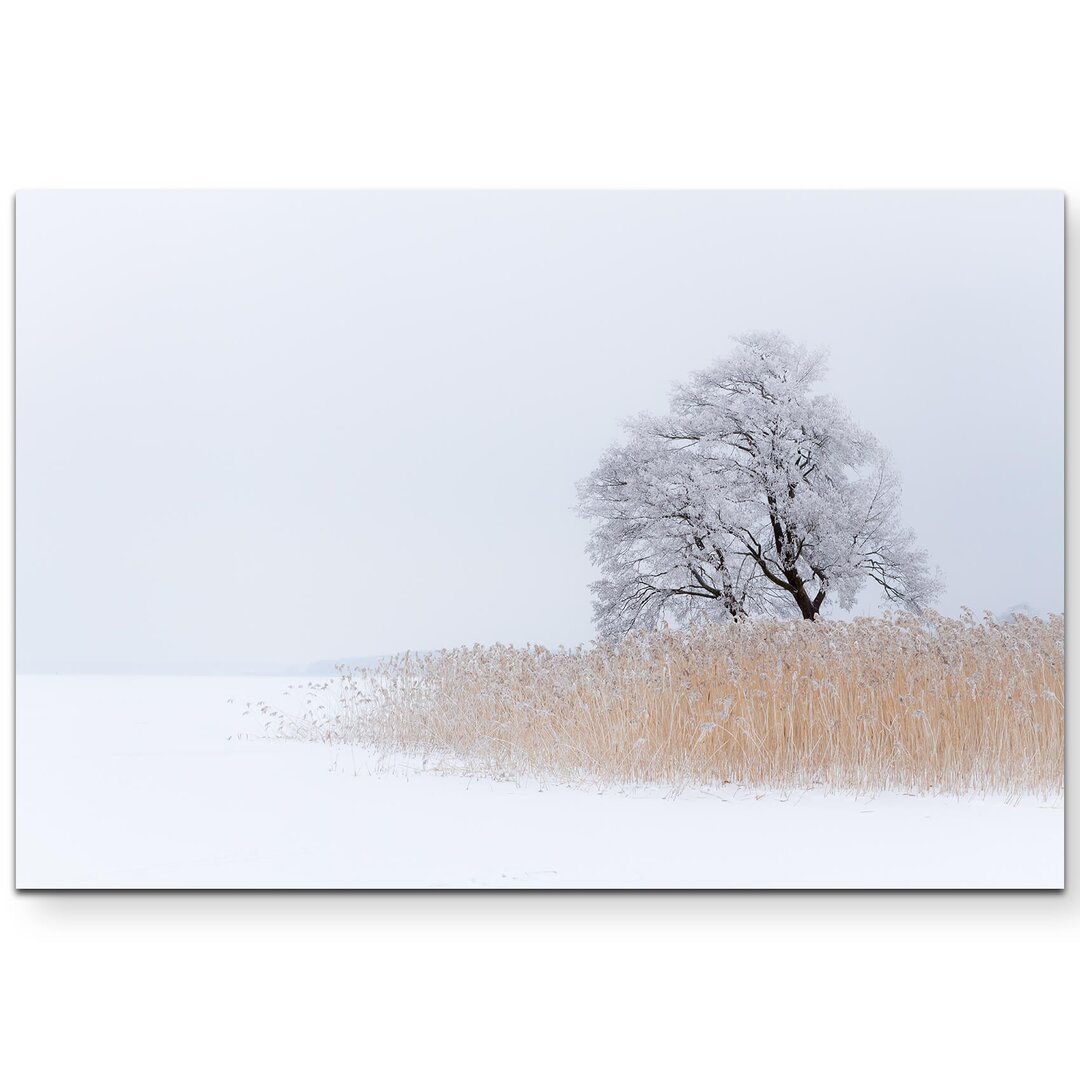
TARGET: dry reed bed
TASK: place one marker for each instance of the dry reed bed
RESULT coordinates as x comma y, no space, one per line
921,705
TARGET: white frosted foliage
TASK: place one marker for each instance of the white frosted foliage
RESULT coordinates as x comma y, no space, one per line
752,495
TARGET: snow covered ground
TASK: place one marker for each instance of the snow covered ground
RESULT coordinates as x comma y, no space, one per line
127,782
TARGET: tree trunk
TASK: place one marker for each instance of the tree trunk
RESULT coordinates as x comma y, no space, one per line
807,608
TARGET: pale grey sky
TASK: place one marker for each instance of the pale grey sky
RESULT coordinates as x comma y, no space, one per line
287,426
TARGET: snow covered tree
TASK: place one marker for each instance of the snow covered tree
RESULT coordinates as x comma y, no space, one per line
753,495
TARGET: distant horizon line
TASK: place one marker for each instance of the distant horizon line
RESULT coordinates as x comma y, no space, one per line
197,667
282,668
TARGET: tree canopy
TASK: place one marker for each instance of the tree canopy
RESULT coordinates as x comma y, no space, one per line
752,495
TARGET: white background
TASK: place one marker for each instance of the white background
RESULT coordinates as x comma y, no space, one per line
576,94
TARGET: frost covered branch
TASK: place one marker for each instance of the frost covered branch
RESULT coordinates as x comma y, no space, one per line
753,495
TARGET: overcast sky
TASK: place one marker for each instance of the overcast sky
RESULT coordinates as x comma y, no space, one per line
283,427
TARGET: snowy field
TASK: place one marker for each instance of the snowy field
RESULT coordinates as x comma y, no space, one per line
158,782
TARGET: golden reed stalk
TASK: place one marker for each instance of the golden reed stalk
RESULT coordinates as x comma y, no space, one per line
897,703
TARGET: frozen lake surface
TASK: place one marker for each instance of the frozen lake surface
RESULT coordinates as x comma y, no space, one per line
150,782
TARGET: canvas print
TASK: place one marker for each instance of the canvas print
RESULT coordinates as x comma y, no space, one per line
554,540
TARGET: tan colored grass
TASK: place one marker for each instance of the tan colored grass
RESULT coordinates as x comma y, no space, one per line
874,704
